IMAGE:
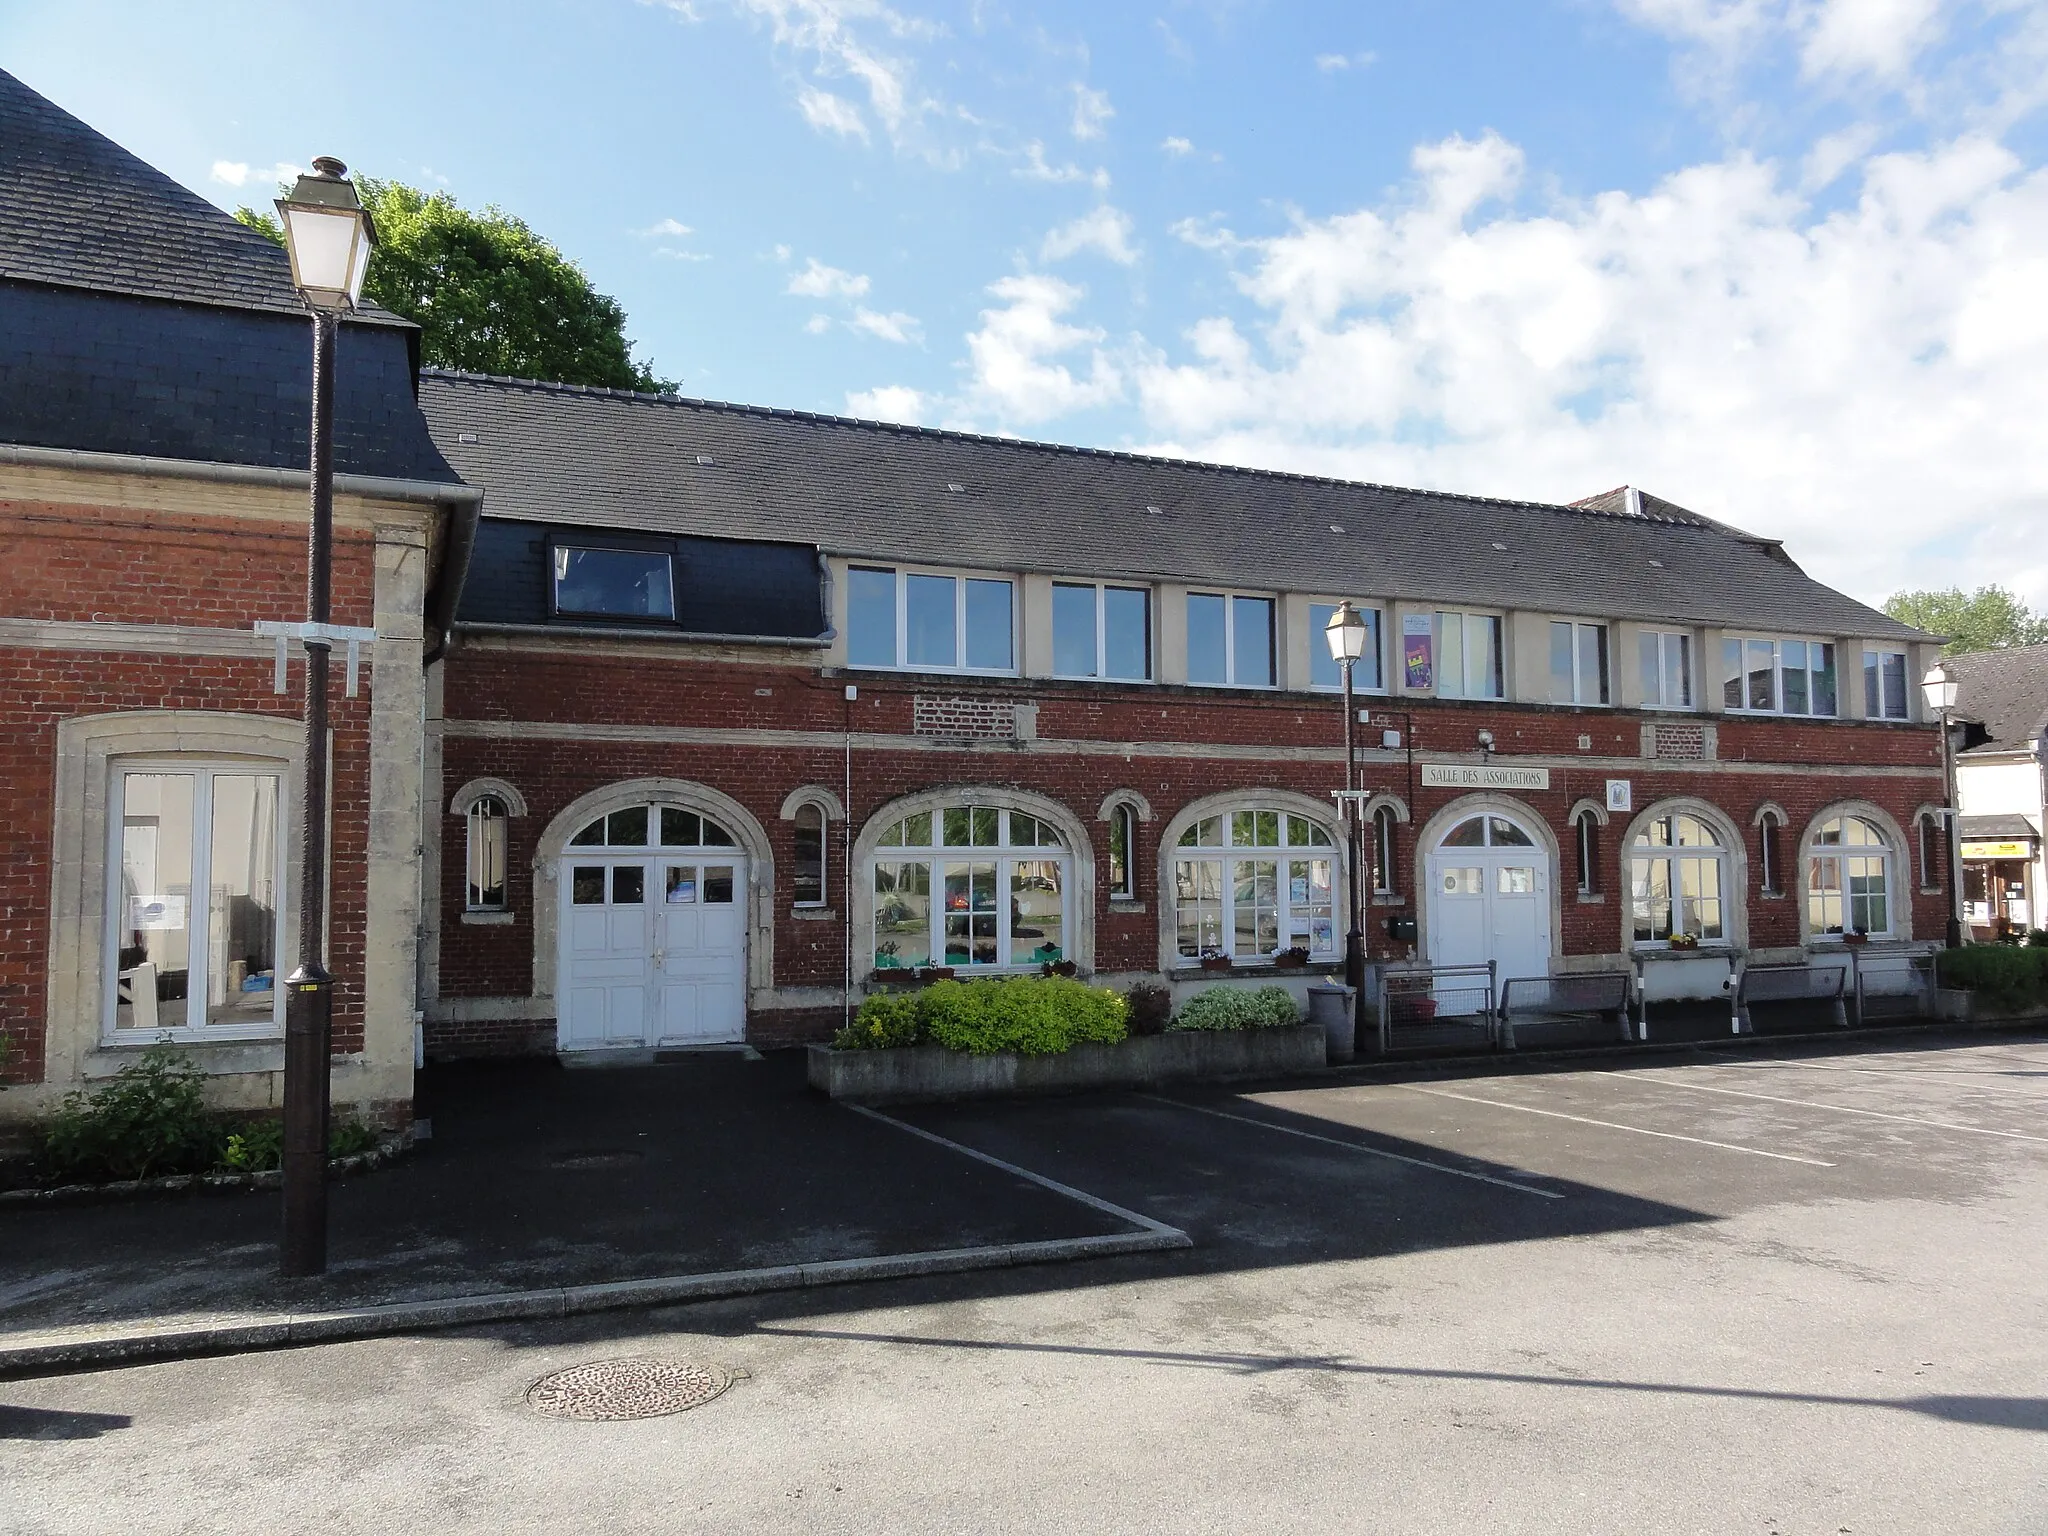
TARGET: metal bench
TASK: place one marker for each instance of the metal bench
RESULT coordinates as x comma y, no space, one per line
1592,997
1790,984
1435,1005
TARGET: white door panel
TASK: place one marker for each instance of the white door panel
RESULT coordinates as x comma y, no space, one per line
653,951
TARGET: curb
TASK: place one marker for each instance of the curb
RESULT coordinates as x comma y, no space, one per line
61,1350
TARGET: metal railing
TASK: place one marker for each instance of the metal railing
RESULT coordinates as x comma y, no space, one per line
1587,997
1434,999
1790,984
1896,981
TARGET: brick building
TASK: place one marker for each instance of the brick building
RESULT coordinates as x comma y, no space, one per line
155,384
722,716
929,699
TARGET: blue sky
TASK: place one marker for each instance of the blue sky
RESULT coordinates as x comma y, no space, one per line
1783,261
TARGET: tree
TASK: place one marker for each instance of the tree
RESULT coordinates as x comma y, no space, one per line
488,294
1987,619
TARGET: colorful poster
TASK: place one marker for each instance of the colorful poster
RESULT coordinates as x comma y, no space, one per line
1418,674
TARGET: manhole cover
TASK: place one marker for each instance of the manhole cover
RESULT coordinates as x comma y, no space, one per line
595,1159
633,1388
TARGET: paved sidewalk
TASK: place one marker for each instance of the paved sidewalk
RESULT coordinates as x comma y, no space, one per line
539,1178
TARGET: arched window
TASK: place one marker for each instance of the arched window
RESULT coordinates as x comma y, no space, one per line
1250,883
1678,869
1930,851
809,864
1001,878
1487,832
1588,829
653,826
1385,876
1848,879
1123,848
1767,852
488,824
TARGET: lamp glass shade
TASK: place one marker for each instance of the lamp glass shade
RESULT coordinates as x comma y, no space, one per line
1939,688
330,251
1347,633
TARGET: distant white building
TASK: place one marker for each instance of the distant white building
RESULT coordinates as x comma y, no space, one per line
2001,783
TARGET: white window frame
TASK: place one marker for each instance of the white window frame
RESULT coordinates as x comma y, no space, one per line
1717,853
900,575
1123,826
1005,854
1927,839
1873,662
1777,643
1586,635
1319,648
1102,673
1652,685
197,913
1280,854
474,822
1466,618
1230,637
1839,854
796,821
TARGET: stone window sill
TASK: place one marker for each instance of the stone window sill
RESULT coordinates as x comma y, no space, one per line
1126,905
1389,899
214,1058
1318,970
487,919
813,915
1703,952
1592,898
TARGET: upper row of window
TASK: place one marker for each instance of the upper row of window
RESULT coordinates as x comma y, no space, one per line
969,624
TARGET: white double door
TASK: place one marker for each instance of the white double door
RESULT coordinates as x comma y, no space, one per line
653,951
1489,904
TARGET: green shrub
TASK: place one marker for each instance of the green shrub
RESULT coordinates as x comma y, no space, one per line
151,1119
2003,975
256,1148
350,1137
1032,1015
1234,1008
2037,938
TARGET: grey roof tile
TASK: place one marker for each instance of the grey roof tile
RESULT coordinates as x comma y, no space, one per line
2006,691
610,458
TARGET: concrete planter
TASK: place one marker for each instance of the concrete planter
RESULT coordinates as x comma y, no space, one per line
1958,1006
1143,1061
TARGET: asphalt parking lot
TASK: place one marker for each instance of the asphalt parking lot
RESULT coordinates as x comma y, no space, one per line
1785,1290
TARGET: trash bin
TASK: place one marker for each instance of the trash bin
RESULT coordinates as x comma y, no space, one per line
1333,1005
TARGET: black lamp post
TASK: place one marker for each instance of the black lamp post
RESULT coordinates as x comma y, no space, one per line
329,236
1940,689
1348,635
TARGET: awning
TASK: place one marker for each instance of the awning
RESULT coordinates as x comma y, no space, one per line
2005,836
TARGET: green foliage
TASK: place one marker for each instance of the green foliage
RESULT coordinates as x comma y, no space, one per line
1150,1007
1032,1015
2037,938
351,1137
151,1119
488,293
1235,1008
1984,620
2002,975
256,1148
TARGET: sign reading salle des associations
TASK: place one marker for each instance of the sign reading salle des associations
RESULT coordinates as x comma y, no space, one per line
1483,776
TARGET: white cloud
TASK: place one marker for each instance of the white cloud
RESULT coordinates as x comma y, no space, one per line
818,281
1105,230
889,402
671,253
894,326
1880,39
782,253
1874,37
1334,63
671,227
818,325
1173,144
1037,168
1092,112
1015,356
235,173
842,40
831,114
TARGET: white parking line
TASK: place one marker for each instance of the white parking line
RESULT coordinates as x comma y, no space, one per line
1667,1081
1352,1146
1611,1125
1955,1077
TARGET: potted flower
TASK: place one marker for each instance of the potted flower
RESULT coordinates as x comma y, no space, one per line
1856,936
1215,960
1685,941
1292,959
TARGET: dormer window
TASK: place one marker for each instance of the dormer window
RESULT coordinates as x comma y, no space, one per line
610,583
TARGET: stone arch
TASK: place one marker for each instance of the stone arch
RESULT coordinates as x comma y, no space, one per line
1080,847
1898,894
812,794
1734,896
1523,815
720,807
1322,812
1386,800
467,796
1140,806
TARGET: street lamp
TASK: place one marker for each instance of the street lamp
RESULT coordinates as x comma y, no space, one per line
1349,635
328,234
1940,689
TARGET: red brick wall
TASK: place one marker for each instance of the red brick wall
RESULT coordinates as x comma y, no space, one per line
92,564
478,961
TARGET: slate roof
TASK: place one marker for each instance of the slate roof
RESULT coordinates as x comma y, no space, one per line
611,458
2005,827
2006,691
79,211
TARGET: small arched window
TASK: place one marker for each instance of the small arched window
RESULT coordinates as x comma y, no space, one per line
1930,852
1848,879
1123,847
1588,830
1385,877
1767,854
809,863
1677,871
488,830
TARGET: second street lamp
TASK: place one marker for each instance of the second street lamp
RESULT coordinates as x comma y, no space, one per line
328,234
1348,635
1940,689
